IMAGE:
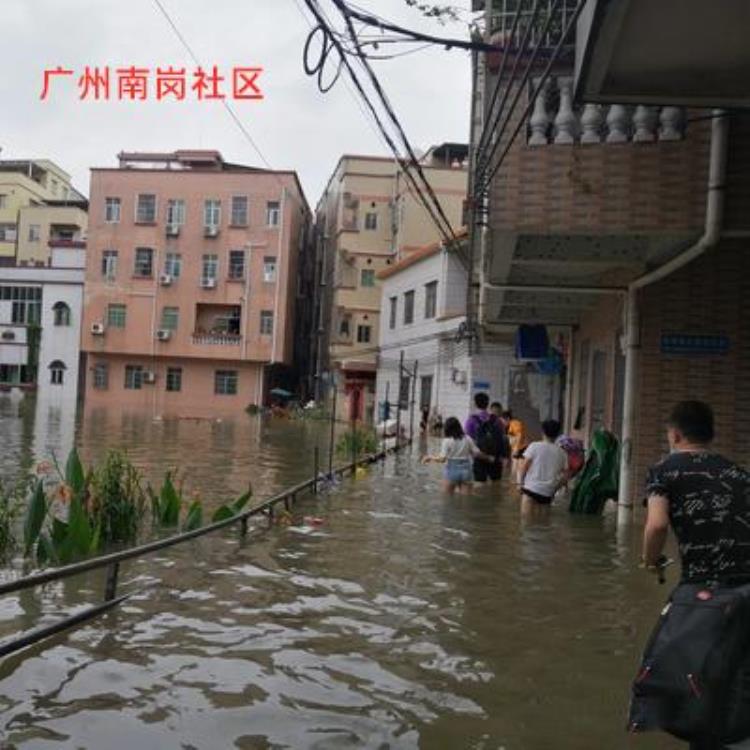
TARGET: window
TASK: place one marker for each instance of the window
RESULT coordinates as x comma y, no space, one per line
170,317
53,187
273,213
56,372
266,322
35,232
371,220
239,211
344,330
173,265
109,264
363,334
101,376
116,314
61,314
210,266
26,304
145,210
430,299
3,200
393,313
225,382
133,377
112,210
174,379
236,264
175,212
367,277
211,213
408,307
144,262
269,269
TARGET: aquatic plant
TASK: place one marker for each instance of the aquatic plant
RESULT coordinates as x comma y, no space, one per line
228,510
360,441
165,506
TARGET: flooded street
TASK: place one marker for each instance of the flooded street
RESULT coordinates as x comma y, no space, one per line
407,619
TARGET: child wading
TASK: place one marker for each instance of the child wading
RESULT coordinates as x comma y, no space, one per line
544,468
457,453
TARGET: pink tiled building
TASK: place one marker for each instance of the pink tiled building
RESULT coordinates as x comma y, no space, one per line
190,282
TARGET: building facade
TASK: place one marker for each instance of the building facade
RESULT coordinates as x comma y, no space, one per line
191,282
40,327
626,226
368,219
38,209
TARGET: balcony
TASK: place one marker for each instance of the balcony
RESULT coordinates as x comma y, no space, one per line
220,339
555,120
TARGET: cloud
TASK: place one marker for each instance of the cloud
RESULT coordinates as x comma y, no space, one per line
296,127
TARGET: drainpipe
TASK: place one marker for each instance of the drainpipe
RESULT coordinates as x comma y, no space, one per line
279,251
711,236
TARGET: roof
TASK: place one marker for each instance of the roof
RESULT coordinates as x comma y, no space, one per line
417,257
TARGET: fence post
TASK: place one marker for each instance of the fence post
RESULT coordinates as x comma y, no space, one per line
398,404
243,526
413,402
317,470
386,417
110,587
333,427
353,430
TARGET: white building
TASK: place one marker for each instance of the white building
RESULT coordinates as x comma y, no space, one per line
422,316
40,325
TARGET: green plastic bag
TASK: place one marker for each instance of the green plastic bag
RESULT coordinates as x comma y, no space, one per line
599,480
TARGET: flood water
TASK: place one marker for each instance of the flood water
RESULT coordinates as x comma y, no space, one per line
406,620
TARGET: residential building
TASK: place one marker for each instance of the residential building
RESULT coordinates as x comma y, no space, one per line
190,282
426,361
39,208
629,225
367,219
40,327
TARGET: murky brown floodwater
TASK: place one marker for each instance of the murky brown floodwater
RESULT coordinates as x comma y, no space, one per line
407,620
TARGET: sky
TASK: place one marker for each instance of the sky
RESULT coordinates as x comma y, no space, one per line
295,126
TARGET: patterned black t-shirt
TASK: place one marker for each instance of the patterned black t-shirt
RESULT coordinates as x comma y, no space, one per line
709,508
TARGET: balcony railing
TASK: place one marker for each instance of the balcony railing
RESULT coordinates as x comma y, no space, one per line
555,119
547,35
65,242
222,339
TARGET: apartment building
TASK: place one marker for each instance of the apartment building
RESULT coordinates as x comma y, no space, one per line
190,282
40,327
39,210
367,219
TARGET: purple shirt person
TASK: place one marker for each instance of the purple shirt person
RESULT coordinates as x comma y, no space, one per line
487,432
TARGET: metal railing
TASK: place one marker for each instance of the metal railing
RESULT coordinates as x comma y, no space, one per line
112,561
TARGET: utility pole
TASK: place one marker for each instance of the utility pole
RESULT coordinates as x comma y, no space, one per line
398,401
413,401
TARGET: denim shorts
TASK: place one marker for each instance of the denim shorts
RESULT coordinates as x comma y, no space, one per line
458,470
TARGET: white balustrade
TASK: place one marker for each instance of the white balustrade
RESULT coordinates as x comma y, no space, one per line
645,120
591,124
540,119
671,124
617,124
566,122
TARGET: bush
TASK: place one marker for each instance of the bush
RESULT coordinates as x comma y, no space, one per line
357,443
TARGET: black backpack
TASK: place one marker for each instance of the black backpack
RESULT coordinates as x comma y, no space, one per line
491,440
694,680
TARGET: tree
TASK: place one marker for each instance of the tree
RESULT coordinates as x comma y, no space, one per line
441,13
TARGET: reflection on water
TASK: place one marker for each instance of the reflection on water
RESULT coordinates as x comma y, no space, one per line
408,619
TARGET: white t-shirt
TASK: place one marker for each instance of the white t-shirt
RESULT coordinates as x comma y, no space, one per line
548,463
462,448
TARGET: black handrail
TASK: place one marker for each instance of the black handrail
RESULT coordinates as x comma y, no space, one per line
113,560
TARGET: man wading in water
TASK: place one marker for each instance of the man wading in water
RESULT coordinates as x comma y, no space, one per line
706,500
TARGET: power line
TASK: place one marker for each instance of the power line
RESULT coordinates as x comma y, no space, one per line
240,125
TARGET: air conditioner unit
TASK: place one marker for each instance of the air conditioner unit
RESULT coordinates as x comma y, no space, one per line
165,279
172,230
208,283
97,329
164,334
149,377
211,230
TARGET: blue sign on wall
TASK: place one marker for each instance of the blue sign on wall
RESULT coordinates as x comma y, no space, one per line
481,385
694,345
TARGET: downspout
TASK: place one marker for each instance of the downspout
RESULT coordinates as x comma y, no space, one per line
279,258
712,234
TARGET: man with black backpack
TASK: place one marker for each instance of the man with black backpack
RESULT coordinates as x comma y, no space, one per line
694,681
486,430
